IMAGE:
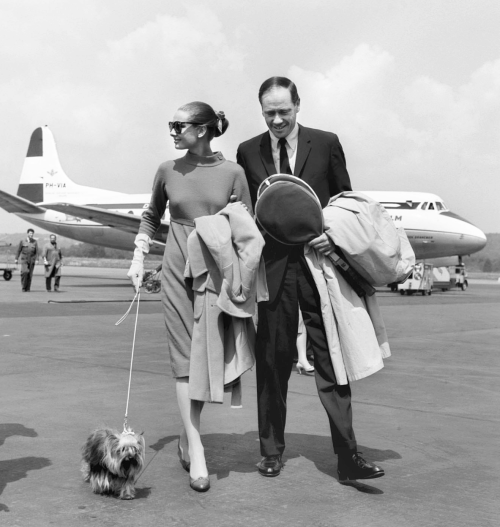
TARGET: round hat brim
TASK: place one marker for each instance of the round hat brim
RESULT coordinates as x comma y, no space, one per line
288,210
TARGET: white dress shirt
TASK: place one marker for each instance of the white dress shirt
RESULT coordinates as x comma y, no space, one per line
292,140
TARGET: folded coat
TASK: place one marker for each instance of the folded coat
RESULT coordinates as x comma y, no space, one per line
365,232
225,264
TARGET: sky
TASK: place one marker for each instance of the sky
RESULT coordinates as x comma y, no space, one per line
412,88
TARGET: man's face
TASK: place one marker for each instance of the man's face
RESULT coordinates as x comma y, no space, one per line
279,111
53,239
30,235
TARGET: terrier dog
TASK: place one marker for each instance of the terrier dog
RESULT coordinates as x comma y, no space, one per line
112,461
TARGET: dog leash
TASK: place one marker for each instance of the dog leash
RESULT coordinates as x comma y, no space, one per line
126,428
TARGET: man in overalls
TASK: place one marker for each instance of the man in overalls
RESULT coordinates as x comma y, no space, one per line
52,259
27,254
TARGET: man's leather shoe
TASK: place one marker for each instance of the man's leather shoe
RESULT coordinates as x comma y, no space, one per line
355,467
270,466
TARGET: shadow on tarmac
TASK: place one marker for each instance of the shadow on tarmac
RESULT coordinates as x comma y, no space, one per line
227,453
14,429
16,469
105,285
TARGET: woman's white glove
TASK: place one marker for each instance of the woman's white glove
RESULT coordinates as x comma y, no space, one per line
136,271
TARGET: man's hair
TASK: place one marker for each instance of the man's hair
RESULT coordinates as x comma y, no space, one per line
279,82
31,230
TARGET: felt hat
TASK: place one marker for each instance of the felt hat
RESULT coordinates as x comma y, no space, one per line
288,210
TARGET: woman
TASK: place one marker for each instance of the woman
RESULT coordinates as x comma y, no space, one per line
303,365
199,184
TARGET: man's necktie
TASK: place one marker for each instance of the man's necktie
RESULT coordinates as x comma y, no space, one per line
284,161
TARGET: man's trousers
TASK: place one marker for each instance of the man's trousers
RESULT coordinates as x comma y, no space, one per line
27,270
275,349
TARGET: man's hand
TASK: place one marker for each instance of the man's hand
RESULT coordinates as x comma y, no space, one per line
15,261
234,199
323,244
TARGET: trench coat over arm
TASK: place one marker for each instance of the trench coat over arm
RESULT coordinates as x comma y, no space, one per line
228,273
52,254
354,326
355,330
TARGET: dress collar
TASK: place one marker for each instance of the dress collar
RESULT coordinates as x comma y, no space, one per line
204,161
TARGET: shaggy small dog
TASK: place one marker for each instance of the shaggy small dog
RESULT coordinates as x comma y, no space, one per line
112,461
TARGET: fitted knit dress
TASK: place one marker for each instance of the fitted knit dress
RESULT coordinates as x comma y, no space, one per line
194,186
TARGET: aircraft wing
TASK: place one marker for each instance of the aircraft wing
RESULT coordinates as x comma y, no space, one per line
117,220
18,205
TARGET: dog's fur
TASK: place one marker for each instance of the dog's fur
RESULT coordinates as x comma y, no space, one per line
112,461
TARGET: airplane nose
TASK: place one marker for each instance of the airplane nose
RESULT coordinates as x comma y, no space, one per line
473,239
479,240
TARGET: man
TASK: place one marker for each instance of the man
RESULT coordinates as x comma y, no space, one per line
316,157
52,259
27,253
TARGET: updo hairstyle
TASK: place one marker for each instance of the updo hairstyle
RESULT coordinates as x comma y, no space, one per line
203,113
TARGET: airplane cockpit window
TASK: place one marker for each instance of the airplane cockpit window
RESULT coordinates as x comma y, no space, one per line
424,206
431,206
440,206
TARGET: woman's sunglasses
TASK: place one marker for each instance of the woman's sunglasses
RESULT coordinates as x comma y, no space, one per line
178,125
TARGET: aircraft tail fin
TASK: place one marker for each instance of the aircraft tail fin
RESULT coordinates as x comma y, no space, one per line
42,177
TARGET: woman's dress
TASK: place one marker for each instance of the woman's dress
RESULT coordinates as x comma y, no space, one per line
194,186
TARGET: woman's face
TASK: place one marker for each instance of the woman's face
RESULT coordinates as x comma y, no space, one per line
190,133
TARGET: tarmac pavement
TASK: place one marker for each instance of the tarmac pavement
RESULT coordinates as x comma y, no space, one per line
430,418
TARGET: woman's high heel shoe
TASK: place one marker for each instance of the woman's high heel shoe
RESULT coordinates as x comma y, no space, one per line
200,484
306,370
186,465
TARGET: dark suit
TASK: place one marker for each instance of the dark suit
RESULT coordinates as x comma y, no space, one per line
321,163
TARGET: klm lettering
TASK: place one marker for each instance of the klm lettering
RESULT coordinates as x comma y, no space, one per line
397,218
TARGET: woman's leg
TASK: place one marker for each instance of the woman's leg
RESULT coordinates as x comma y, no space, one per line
303,364
190,414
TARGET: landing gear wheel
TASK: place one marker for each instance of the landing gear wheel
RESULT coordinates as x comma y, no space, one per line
7,275
463,286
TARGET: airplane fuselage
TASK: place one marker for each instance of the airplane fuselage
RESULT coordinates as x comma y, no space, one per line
49,199
87,231
432,233
432,229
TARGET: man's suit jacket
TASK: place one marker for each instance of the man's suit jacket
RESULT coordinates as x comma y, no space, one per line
320,162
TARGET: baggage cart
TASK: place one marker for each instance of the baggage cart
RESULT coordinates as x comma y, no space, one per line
7,263
420,280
